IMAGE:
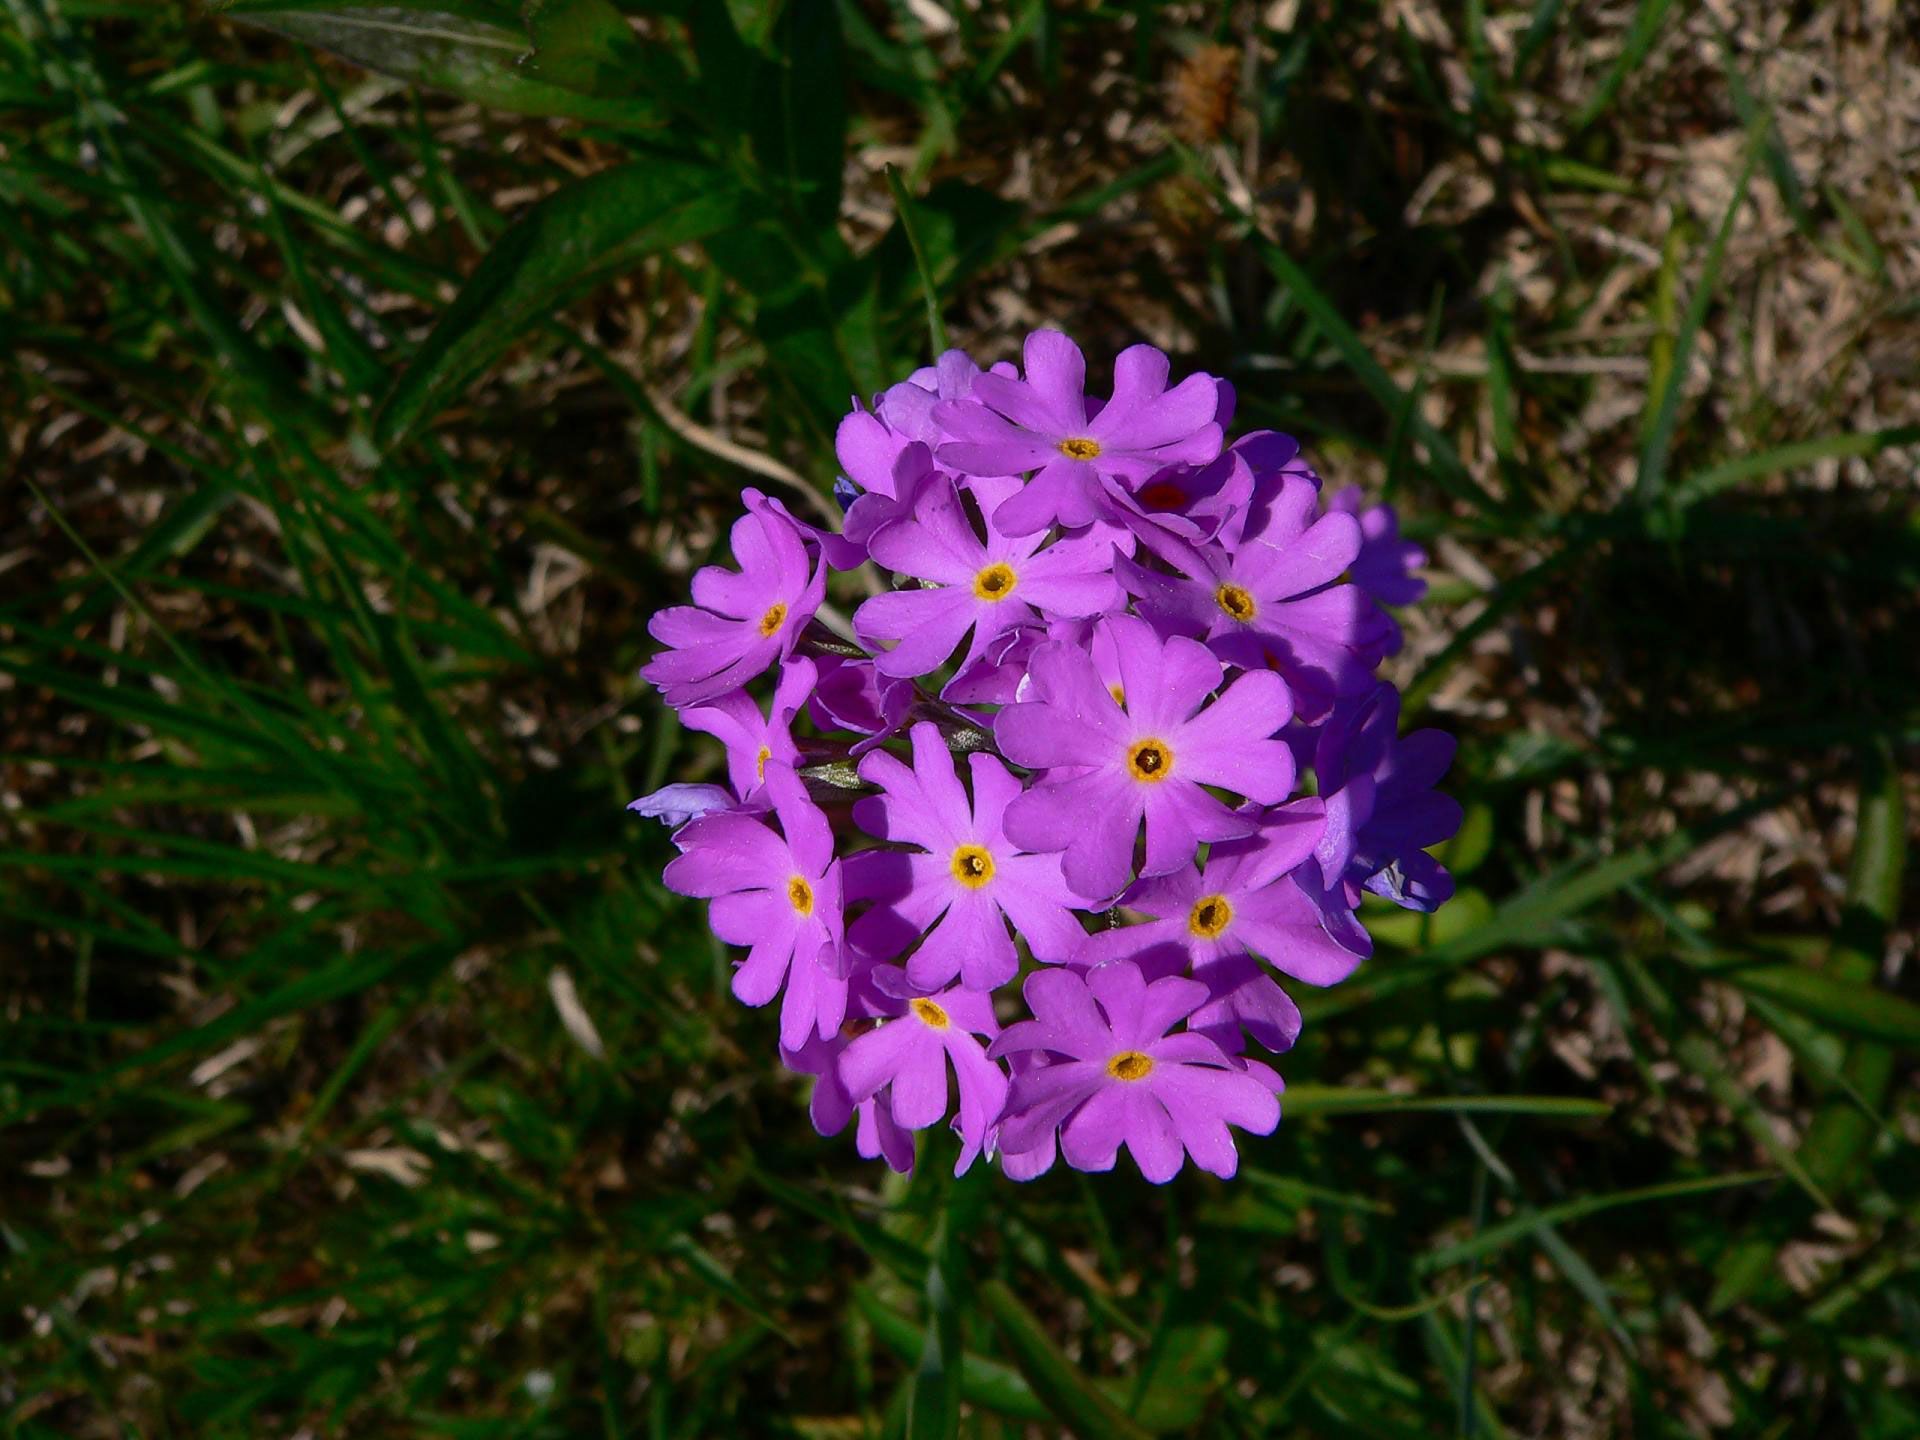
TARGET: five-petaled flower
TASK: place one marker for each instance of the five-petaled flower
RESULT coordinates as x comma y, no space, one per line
1110,762
964,883
1043,424
741,620
1119,1077
909,1054
778,894
988,586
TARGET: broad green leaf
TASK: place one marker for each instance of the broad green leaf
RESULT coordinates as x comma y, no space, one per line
1862,1010
470,50
1410,929
566,244
582,45
800,119
1184,1373
815,317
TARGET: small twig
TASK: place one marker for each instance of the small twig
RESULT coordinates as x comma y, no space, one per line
697,435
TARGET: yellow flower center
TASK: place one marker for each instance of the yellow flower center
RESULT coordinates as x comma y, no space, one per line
1210,915
1150,759
1162,495
931,1015
972,866
1081,447
760,762
775,617
1130,1065
995,583
1236,602
800,895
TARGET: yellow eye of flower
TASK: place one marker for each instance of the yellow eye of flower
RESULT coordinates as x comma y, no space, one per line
1081,447
1150,759
775,617
1130,1065
1210,915
931,1015
800,895
995,583
760,762
972,866
1236,602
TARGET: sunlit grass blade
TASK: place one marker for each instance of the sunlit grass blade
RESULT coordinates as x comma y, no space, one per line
1300,1101
1498,1236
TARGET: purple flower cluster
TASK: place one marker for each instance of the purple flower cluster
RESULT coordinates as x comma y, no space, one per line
1068,735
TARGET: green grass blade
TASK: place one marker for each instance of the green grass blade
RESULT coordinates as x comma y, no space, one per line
903,204
1657,443
1801,453
1498,1236
1069,1396
1303,1100
1840,1133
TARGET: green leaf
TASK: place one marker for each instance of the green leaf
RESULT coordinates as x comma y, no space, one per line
933,1406
815,322
470,50
1855,444
1657,441
1074,1400
936,328
1448,468
1841,1133
1648,19
991,1384
702,1263
1863,1010
1410,929
1184,1374
1496,1237
800,122
566,244
1301,1100
581,45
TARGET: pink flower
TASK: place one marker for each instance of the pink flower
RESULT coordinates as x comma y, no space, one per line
963,884
777,894
910,1055
1118,1077
1044,424
741,621
1110,761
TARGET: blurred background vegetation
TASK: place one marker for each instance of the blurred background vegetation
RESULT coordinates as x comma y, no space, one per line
370,374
